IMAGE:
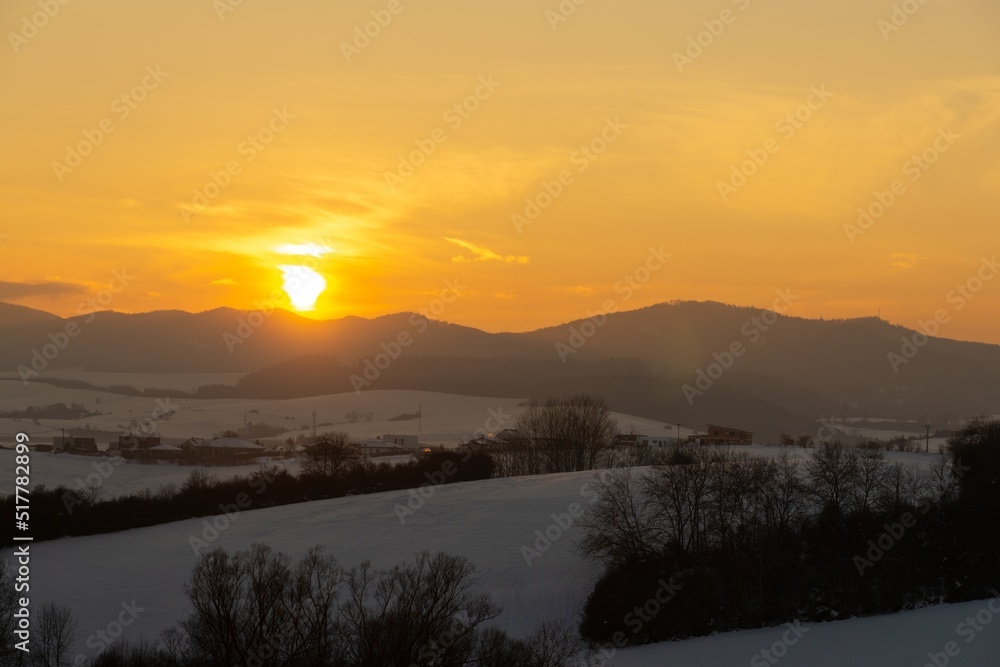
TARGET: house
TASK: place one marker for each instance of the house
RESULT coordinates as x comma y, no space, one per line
166,452
480,444
723,435
630,440
72,443
656,441
380,447
134,442
222,448
409,441
485,442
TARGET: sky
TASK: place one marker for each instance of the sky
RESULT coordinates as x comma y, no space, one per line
506,165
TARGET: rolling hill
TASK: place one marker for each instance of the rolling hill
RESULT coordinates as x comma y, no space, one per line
690,362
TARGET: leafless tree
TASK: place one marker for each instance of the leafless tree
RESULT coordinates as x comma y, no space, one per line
330,455
872,479
620,526
678,495
832,472
253,606
565,435
55,633
424,613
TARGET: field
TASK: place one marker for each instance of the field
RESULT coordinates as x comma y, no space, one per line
488,522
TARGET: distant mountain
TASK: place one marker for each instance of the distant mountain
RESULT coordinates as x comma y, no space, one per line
12,315
673,361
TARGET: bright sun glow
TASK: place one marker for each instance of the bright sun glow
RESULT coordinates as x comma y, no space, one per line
302,285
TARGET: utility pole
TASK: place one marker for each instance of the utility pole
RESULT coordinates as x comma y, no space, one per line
678,434
927,449
420,418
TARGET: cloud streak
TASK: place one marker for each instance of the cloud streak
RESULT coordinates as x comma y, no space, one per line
14,290
481,254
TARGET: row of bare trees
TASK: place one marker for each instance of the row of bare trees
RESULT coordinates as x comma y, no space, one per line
718,495
258,608
559,435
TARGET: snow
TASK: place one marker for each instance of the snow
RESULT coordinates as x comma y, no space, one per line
179,381
119,477
488,522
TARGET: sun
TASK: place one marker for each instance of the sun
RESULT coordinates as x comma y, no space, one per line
302,285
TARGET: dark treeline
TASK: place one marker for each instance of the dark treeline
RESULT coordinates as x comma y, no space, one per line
257,608
81,511
742,542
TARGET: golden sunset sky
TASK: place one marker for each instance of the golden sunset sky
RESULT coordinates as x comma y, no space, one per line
311,118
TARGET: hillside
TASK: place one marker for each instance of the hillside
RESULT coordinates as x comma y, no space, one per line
670,362
485,521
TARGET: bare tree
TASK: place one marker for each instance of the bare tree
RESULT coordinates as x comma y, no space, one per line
330,455
872,479
678,494
54,636
620,526
254,607
424,613
832,472
566,435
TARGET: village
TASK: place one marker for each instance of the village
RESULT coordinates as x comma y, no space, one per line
230,449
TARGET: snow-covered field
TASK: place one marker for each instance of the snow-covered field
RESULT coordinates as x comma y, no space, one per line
447,418
487,522
119,477
180,381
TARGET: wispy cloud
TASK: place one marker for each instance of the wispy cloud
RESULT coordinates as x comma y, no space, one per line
903,261
13,290
225,282
481,254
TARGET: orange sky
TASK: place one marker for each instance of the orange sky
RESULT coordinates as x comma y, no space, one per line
309,126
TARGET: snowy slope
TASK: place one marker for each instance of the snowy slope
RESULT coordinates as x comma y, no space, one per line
488,522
